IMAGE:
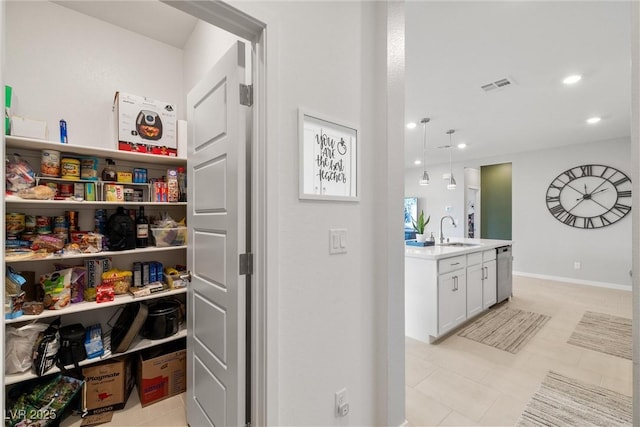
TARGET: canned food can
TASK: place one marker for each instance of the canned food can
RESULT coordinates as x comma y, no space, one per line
65,190
60,225
70,168
43,225
50,164
14,223
72,220
29,223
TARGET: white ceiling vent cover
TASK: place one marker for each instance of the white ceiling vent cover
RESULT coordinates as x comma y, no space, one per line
498,84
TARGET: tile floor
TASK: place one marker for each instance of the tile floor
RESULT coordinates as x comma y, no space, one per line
459,382
166,413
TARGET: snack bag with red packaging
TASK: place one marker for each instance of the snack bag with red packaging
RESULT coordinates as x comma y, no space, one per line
105,293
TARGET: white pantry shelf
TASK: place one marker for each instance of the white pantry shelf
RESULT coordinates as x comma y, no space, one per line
92,305
54,257
15,201
138,344
18,143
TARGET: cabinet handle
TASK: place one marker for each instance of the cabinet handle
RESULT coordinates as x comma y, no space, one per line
455,263
486,273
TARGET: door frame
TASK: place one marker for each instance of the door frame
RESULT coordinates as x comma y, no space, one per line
252,23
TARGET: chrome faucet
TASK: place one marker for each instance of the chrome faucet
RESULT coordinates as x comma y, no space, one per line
453,222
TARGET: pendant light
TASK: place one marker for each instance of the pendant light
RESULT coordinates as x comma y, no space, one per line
452,182
424,179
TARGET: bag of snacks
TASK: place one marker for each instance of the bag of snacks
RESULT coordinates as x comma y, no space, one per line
57,289
20,174
120,280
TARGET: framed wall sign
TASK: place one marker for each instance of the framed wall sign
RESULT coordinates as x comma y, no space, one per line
329,159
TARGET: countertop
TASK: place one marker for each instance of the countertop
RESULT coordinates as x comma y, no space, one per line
437,251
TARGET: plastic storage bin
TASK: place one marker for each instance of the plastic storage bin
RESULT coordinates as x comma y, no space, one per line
170,236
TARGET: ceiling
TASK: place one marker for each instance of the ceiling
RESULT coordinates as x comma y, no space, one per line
150,18
454,48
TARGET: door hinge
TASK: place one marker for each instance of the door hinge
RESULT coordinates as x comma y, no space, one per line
246,95
246,264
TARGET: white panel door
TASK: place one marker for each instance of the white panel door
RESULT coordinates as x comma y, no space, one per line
217,221
475,274
489,284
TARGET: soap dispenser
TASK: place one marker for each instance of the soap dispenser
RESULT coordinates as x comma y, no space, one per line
109,171
431,238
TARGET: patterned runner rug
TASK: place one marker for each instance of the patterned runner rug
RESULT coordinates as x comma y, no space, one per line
604,333
563,401
505,328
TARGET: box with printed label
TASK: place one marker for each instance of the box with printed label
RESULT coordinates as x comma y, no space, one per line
107,385
161,376
145,125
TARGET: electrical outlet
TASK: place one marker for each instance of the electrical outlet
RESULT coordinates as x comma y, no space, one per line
342,407
577,265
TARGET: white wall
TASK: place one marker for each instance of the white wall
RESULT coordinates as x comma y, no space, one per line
436,200
327,304
74,66
327,62
543,245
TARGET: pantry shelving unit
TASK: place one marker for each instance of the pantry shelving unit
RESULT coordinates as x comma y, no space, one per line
92,312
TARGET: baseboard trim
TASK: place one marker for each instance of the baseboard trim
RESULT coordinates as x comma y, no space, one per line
576,281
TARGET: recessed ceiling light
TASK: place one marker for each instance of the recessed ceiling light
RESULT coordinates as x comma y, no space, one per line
593,120
417,162
569,80
462,145
411,125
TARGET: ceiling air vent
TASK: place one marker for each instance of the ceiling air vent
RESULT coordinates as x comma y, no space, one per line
498,84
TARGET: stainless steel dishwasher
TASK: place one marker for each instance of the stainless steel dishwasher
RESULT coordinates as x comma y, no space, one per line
504,266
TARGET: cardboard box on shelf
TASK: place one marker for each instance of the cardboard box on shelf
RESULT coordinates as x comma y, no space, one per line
107,385
164,375
145,125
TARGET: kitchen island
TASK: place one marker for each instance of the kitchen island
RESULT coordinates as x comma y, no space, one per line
448,284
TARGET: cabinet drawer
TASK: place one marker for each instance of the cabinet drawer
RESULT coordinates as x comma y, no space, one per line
488,255
474,258
450,264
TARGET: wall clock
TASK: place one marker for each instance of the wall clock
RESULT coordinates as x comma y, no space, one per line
590,196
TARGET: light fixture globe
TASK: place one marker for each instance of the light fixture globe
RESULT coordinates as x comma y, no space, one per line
424,179
452,183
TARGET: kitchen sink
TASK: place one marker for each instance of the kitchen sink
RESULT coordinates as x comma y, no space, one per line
460,244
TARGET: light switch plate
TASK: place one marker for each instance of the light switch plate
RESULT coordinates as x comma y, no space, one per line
337,241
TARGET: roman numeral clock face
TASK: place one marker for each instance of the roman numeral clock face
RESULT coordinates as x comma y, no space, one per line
590,196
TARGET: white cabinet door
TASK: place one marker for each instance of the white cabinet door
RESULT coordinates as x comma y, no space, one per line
489,284
475,274
217,235
452,300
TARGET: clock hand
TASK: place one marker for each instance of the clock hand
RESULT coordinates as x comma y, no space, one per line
588,196
575,189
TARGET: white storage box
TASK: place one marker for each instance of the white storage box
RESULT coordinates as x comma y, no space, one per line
28,128
145,125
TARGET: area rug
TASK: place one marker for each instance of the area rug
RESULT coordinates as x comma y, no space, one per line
505,328
604,333
563,401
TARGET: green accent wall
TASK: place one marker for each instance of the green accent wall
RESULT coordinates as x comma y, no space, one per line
495,201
